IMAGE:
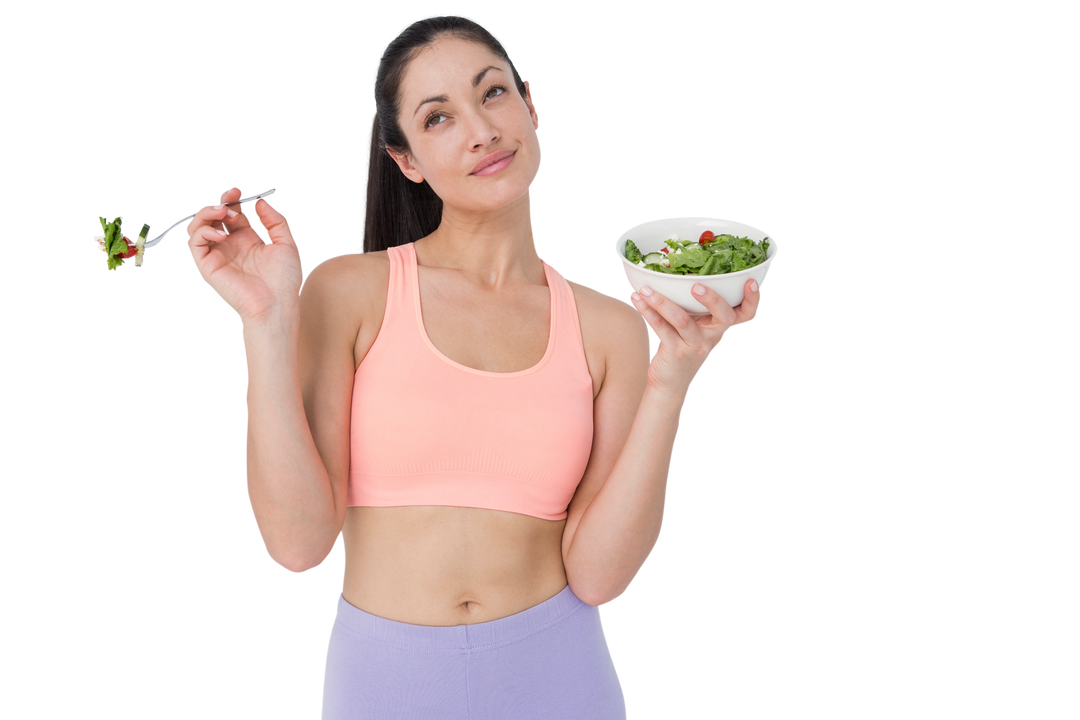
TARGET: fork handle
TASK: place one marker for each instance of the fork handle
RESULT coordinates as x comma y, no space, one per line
155,241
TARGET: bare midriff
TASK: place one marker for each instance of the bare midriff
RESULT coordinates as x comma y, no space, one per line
444,566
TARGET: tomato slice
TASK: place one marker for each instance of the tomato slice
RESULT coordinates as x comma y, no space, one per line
132,248
706,237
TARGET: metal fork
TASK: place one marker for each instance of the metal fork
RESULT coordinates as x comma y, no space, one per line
158,239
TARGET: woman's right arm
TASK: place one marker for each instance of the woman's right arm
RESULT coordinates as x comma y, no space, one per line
288,483
299,397
300,368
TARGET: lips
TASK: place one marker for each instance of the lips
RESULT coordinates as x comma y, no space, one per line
497,157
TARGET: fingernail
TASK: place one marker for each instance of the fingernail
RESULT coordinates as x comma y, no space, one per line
698,289
753,286
231,213
218,207
646,291
222,234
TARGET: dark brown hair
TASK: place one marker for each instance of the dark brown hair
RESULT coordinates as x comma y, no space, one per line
400,211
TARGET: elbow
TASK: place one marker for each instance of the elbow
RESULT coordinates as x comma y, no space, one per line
285,564
300,568
595,600
586,595
590,587
594,595
298,563
302,551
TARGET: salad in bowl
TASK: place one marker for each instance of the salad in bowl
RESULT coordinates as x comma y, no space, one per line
671,255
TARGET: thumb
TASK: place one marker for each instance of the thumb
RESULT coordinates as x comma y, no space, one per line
274,222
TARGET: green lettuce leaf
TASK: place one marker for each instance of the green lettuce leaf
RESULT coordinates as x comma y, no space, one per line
725,254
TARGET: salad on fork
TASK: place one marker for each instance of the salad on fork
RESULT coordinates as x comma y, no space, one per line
120,248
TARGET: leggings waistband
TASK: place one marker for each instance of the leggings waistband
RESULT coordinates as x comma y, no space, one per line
479,636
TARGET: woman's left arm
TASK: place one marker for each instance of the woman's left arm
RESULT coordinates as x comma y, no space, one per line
621,526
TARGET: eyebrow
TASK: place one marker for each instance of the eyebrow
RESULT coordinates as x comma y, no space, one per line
442,98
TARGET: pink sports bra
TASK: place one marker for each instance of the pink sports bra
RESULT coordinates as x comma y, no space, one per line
429,431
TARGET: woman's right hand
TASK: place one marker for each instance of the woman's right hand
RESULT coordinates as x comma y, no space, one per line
256,279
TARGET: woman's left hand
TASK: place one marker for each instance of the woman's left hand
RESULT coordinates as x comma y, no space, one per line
685,339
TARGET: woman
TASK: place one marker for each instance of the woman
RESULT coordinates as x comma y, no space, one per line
490,439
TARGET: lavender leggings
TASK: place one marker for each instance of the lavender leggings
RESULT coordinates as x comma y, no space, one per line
550,661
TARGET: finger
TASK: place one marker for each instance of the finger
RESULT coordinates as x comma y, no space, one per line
661,327
216,215
235,219
675,316
275,223
206,235
200,241
204,216
720,311
751,306
228,196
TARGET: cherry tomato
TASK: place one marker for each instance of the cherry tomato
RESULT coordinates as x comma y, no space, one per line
664,250
706,237
130,251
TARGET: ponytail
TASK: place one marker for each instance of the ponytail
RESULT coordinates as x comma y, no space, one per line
399,211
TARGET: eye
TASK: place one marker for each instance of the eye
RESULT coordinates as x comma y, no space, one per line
436,113
433,119
492,91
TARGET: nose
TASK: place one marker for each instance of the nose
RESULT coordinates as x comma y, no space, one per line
481,131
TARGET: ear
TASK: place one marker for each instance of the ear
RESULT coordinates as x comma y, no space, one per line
407,168
529,104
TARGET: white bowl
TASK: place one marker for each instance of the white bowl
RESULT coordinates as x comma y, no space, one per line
650,236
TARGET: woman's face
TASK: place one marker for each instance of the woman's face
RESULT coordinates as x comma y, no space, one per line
471,135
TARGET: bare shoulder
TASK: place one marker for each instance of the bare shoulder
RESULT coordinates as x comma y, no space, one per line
612,331
586,296
607,317
346,288
348,265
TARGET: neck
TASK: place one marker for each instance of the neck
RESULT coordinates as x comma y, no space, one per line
492,249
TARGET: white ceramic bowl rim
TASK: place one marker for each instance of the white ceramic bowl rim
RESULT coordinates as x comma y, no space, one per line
705,220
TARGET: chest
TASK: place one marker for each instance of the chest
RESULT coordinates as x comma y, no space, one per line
494,334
